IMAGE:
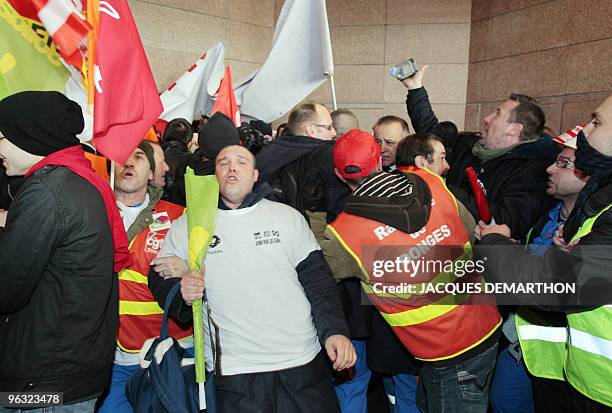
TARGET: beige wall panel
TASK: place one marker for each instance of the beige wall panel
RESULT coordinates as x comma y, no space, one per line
588,67
592,22
241,69
482,9
355,12
354,84
495,80
472,117
479,41
428,11
358,44
258,12
454,113
433,43
249,43
367,117
398,110
219,8
444,83
474,113
578,109
168,65
179,30
553,108
278,5
523,32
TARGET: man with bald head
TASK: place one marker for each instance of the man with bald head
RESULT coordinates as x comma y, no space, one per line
583,257
344,120
300,167
272,297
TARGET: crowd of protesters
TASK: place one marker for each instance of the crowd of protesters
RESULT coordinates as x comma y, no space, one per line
298,319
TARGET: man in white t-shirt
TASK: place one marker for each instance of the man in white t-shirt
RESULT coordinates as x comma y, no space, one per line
272,298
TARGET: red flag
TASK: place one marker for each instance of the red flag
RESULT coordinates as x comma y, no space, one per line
126,102
226,100
480,198
64,22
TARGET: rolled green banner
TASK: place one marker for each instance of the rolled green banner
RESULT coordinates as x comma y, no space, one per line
202,194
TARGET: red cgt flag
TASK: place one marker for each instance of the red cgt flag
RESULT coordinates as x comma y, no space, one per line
226,100
126,102
480,198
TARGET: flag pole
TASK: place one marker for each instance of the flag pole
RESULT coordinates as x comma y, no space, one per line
112,175
330,74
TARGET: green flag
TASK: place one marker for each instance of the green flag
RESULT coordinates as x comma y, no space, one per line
202,199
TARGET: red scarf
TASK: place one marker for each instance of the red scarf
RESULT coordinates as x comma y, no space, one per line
74,159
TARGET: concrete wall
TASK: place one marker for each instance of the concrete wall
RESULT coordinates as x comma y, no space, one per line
558,51
368,37
176,32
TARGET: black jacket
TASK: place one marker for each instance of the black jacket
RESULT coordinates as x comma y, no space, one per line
515,182
58,292
587,264
177,157
301,171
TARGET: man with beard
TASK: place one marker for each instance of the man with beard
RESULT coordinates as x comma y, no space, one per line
584,260
147,219
508,158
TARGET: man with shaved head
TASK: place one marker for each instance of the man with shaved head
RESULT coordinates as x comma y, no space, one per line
272,297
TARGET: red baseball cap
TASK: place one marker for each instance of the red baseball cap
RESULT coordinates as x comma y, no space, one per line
356,154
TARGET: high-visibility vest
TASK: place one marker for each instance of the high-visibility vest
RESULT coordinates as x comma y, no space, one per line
543,347
588,364
434,326
140,316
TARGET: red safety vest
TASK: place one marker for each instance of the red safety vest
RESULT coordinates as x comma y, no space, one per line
433,325
140,316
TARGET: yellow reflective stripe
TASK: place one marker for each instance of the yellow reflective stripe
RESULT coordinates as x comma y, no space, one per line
131,275
441,278
425,313
587,225
349,250
139,308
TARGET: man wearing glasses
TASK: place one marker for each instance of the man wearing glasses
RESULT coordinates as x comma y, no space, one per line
300,168
584,258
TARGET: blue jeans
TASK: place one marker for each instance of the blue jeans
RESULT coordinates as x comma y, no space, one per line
460,388
401,391
116,400
353,394
511,387
81,407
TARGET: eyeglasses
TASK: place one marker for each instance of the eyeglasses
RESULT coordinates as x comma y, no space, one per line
328,127
563,164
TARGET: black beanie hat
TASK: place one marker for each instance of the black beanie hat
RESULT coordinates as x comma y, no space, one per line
41,123
261,126
147,148
216,134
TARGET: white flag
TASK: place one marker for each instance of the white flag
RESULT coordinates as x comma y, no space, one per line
191,95
301,55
